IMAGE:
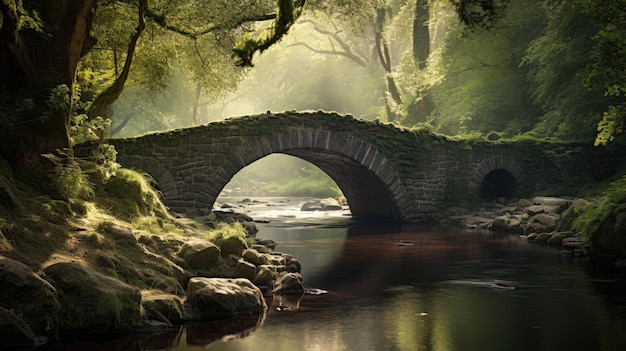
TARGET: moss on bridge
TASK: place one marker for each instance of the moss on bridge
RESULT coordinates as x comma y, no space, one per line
433,168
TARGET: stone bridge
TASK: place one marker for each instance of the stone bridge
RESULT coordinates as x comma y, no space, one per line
384,171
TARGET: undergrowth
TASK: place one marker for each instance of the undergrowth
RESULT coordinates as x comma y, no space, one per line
604,223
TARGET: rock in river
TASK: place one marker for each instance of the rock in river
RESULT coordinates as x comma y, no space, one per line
220,298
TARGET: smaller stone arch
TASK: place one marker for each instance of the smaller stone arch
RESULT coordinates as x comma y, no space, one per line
497,176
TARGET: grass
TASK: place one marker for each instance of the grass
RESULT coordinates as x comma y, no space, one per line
44,230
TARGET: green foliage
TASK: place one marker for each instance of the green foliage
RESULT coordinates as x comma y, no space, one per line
24,19
248,46
285,175
306,188
556,61
569,216
230,238
484,88
130,195
611,125
605,223
480,14
83,129
70,180
607,71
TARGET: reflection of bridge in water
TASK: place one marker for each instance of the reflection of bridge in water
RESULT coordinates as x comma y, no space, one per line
383,171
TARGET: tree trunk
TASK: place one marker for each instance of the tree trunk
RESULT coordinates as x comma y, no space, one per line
382,49
196,103
421,35
32,66
422,105
103,101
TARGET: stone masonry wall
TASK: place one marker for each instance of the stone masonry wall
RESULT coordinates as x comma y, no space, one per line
384,171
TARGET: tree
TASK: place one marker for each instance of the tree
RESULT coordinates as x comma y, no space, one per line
484,88
43,41
557,61
608,68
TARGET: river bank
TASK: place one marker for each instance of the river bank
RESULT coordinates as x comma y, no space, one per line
108,272
120,263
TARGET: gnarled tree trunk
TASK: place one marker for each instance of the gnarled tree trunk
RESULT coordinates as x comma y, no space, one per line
34,64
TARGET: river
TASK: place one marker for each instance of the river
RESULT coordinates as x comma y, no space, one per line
413,287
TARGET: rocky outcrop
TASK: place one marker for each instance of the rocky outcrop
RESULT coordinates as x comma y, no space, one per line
218,297
537,220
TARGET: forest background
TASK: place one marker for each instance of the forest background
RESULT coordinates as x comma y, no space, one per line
552,69
542,69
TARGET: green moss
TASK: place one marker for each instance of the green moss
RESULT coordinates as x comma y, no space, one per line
230,238
130,195
605,223
118,266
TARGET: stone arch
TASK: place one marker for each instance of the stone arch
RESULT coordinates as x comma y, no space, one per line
365,176
498,175
162,176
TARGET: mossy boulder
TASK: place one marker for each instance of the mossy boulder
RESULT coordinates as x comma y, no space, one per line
231,245
117,265
221,298
265,276
199,254
292,264
126,184
254,257
29,298
92,302
244,269
165,308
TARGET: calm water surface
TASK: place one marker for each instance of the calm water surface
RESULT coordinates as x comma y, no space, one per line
415,288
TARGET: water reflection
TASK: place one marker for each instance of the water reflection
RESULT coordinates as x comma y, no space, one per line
186,337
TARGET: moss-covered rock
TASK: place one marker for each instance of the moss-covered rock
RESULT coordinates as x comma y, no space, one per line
33,300
199,254
92,302
220,298
254,257
165,308
265,276
244,269
231,245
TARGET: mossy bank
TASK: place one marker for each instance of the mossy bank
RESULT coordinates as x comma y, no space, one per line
101,254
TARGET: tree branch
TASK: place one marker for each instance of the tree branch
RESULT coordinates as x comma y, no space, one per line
107,97
344,46
360,61
161,21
